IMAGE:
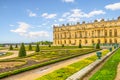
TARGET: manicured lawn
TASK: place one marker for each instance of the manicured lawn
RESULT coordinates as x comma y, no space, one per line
67,71
109,69
46,55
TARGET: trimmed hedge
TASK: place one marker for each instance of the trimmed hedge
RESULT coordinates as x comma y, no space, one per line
5,74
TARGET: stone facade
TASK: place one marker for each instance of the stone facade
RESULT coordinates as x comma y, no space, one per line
87,33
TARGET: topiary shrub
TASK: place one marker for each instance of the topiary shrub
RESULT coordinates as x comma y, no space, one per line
49,45
80,46
97,46
63,45
37,48
22,51
11,48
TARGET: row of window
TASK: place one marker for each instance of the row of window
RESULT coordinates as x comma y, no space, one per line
85,41
82,34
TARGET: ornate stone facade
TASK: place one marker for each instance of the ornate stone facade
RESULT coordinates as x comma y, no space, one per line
87,33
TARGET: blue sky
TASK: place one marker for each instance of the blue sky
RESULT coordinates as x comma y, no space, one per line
33,20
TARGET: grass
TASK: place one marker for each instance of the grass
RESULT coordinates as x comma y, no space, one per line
63,73
7,54
109,69
47,55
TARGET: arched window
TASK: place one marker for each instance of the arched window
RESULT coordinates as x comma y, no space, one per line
115,32
105,40
105,32
64,41
110,33
80,42
98,40
85,41
92,41
110,41
115,40
69,41
98,33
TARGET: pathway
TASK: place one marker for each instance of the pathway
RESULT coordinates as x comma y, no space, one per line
13,55
33,74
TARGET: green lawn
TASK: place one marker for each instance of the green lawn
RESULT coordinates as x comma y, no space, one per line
46,55
63,73
109,69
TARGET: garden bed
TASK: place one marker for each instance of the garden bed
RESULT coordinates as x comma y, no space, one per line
65,72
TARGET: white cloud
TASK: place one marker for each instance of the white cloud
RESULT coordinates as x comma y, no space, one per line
61,19
11,25
31,14
49,16
76,14
115,6
38,34
23,30
23,27
95,12
65,14
68,1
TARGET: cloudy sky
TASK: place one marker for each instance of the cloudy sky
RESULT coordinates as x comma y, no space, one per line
33,20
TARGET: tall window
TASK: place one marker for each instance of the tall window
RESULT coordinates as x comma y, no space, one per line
98,33
110,41
85,41
110,33
79,41
115,32
105,40
92,41
115,40
105,32
98,40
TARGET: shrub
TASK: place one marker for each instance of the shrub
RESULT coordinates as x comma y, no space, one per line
97,46
22,51
63,45
11,48
80,46
30,47
49,45
37,48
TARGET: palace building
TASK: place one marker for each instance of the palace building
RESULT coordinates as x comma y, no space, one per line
88,33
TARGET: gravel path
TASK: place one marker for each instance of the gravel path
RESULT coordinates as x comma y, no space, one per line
33,74
14,55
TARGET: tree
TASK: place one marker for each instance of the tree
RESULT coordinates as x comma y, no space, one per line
11,48
97,46
80,46
37,48
30,47
49,45
62,45
16,46
22,51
